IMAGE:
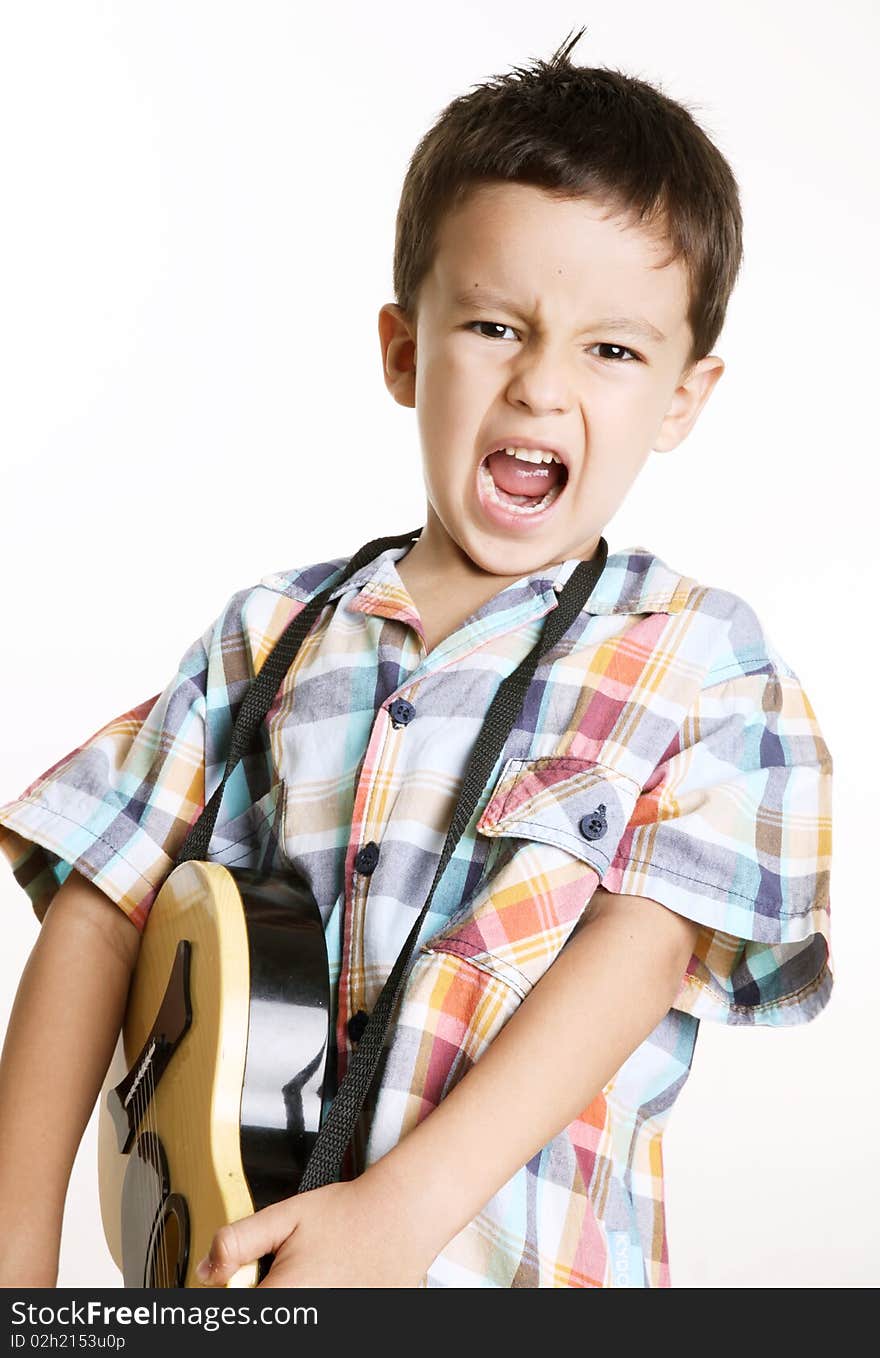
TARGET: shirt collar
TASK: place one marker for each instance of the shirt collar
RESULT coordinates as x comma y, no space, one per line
634,580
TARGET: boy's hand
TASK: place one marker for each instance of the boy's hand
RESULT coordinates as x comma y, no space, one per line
340,1235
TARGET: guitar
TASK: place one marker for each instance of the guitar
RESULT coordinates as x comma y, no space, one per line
212,1101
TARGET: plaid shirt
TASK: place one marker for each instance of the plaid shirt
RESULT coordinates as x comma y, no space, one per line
664,749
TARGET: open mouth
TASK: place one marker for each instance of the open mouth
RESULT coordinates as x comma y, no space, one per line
520,486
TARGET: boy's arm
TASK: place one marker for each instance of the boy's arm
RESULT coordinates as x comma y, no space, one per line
65,1021
607,990
610,986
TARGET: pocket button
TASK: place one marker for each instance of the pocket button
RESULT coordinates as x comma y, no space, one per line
594,825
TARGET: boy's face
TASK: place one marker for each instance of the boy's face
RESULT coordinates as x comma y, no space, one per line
530,355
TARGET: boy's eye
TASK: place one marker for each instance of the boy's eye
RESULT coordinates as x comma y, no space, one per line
499,325
600,344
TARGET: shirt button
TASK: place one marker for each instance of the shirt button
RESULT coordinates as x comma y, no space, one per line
401,712
594,825
366,858
356,1025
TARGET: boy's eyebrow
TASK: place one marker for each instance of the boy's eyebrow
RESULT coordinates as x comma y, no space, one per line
630,325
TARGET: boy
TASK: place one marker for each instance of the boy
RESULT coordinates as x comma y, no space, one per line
654,846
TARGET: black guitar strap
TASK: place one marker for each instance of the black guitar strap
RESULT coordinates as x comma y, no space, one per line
325,1161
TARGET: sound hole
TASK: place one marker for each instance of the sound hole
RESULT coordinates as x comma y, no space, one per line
168,1252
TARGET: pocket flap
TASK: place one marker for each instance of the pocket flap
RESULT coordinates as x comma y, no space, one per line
574,803
530,897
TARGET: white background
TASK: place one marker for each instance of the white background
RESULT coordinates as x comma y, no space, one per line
196,236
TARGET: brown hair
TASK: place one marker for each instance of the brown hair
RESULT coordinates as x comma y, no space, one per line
581,131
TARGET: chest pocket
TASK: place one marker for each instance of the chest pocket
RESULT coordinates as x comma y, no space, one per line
559,819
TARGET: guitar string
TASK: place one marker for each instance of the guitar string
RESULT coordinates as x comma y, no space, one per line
134,1115
148,1132
156,1203
156,1206
144,1186
143,1189
147,1088
166,1263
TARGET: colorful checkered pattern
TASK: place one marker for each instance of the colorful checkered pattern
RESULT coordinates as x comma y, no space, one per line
664,749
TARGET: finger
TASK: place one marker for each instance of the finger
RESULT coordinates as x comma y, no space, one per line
245,1241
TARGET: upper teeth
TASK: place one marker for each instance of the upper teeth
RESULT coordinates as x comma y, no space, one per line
530,454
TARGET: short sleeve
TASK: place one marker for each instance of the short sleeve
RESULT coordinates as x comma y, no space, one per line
119,806
733,831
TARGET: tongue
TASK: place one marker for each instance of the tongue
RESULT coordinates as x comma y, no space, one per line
523,478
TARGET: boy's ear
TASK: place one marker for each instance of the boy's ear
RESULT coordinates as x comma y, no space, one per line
687,401
397,337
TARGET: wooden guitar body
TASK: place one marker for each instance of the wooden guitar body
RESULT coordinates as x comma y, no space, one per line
212,1101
